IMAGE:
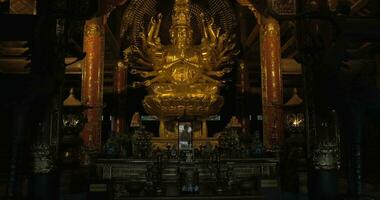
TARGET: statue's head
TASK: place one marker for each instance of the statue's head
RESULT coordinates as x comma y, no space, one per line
180,30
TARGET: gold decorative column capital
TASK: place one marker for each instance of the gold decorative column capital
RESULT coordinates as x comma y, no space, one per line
120,77
94,27
270,27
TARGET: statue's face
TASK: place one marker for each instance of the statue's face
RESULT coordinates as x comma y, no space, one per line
181,35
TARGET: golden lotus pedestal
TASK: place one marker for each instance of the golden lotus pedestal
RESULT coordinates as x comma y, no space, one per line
195,106
198,106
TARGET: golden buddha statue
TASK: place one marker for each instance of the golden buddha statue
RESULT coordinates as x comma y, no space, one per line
184,78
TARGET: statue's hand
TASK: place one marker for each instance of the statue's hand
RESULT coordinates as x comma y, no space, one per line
143,74
211,33
137,84
157,28
220,73
147,83
154,28
227,70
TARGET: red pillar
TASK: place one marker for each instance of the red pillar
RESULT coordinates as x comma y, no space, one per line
120,81
92,82
271,82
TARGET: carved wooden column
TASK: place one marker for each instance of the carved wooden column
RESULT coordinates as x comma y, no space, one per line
120,77
92,82
271,82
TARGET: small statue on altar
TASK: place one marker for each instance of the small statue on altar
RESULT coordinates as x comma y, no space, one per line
136,120
142,143
229,138
141,138
234,123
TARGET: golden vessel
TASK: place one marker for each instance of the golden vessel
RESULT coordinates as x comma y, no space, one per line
184,78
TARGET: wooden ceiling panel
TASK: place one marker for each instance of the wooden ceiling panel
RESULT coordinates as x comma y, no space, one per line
23,7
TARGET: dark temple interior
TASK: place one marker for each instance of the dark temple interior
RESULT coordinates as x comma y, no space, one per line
189,99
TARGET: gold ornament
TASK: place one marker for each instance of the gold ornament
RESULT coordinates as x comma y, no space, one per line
93,30
183,78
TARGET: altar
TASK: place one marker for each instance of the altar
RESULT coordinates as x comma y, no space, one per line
183,79
237,179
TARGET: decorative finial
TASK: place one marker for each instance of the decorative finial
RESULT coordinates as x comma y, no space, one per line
71,100
295,100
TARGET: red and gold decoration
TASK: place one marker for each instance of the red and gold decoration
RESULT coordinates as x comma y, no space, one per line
182,78
92,82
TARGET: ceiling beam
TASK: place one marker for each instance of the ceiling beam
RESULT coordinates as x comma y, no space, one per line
253,36
291,55
23,7
288,43
358,5
285,27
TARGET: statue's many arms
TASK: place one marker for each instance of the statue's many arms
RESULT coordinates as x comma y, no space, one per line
183,67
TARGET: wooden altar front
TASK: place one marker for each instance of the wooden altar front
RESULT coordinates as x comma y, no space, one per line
247,178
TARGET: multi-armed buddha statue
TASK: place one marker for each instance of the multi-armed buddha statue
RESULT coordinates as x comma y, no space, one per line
183,78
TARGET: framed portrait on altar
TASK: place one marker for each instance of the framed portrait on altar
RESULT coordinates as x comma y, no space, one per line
185,135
